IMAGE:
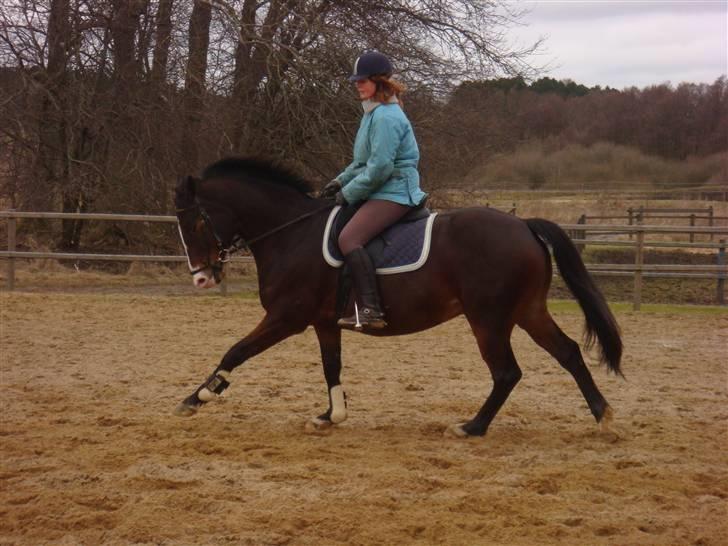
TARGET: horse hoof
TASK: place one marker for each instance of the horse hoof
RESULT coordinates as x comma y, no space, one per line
455,431
318,426
185,410
606,426
606,423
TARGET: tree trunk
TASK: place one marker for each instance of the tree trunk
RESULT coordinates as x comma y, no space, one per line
199,41
160,114
250,65
124,23
161,44
53,129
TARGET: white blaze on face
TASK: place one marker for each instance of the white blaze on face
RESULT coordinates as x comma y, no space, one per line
201,279
184,244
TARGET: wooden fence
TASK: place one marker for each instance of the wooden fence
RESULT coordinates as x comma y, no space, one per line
579,234
637,216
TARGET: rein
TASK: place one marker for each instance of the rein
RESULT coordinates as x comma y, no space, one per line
238,242
287,224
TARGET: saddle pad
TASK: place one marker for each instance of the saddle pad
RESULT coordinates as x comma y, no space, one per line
398,249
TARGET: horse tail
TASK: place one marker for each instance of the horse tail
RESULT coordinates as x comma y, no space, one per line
600,322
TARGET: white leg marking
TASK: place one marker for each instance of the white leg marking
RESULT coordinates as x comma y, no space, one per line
455,431
338,404
206,394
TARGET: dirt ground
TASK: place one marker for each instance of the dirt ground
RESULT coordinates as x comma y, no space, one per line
91,453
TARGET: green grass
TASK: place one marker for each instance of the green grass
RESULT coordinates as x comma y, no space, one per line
566,306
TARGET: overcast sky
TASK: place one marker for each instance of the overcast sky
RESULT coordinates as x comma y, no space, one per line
630,42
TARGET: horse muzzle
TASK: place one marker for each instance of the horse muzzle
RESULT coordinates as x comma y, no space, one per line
207,278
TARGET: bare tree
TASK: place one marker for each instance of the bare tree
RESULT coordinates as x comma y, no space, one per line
199,36
114,99
162,42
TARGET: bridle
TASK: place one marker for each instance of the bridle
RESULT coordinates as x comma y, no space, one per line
237,243
223,253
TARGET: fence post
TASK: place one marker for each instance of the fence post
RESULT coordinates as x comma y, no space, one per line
10,272
692,224
581,234
720,289
638,262
630,220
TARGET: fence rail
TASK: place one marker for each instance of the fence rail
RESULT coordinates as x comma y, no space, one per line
579,232
640,214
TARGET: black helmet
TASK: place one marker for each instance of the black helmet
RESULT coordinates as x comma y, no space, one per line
371,63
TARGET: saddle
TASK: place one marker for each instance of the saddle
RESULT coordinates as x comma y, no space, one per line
402,247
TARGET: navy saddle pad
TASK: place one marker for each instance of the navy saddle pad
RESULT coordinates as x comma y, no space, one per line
402,247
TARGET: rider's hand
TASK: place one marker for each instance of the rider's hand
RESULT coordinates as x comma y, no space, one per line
340,199
329,190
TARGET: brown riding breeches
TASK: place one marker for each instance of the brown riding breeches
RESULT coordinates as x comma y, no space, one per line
370,220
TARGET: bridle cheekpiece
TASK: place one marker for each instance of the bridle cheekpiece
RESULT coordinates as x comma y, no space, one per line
223,252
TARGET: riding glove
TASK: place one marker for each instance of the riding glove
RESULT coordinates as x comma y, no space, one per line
329,190
340,199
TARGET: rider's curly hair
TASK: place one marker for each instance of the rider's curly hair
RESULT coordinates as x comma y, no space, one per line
387,88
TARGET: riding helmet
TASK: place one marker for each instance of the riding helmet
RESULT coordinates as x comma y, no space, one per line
371,63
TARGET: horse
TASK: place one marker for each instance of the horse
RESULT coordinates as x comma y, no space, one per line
490,266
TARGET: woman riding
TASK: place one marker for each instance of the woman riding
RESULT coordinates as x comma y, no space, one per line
383,174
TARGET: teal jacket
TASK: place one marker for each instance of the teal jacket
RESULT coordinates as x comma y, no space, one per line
385,160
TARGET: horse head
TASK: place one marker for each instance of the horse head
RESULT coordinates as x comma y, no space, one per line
207,230
237,203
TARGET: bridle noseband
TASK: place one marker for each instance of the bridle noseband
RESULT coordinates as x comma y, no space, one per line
237,243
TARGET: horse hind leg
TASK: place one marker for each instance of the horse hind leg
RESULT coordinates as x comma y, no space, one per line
495,348
546,333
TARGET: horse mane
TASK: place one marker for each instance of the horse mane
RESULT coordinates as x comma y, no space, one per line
269,170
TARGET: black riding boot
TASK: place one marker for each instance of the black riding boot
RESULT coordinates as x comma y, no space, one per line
367,295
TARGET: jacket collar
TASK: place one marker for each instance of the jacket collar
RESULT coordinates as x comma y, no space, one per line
369,104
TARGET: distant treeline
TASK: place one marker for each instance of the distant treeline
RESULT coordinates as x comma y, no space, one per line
564,88
483,118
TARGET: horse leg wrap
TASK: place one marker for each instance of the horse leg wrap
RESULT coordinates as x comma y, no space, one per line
337,397
214,386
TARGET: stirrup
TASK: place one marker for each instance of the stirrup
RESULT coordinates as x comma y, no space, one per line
366,318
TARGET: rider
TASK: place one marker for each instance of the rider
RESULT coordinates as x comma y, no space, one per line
383,175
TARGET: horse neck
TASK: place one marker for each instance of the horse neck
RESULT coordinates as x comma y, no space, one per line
263,207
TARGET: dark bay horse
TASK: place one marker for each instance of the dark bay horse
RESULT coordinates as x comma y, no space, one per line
492,267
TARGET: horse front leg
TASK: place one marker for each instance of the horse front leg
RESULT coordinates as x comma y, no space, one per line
270,331
329,336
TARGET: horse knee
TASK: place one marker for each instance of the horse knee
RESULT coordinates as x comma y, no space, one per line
508,377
